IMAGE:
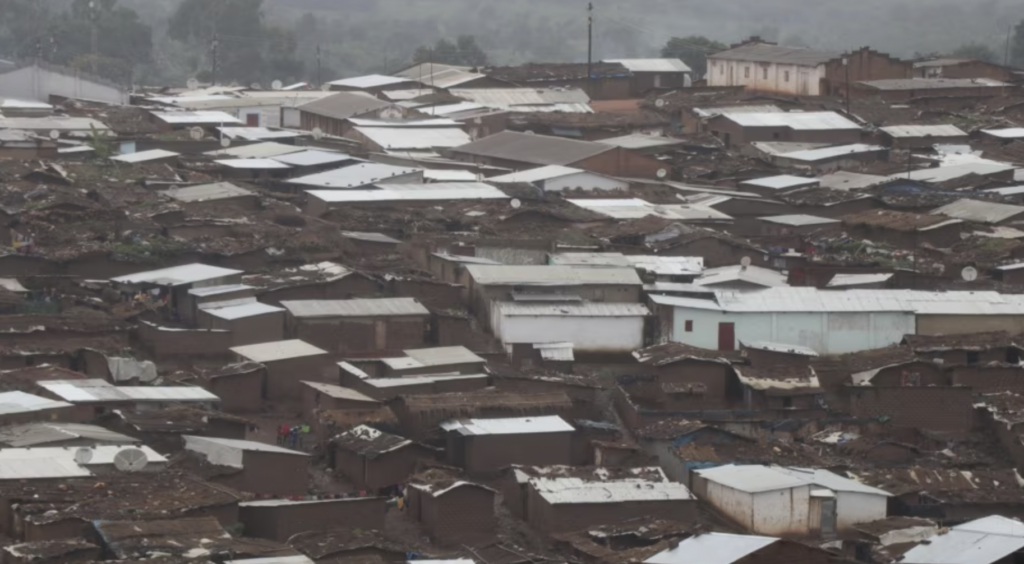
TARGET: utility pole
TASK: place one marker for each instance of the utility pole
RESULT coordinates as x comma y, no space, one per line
53,48
1006,54
39,49
92,21
319,78
846,64
590,48
214,48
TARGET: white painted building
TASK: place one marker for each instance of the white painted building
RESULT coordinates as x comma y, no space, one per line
777,500
589,326
41,82
556,178
770,68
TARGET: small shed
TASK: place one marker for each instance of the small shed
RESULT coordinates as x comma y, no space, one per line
922,136
261,468
795,224
359,326
589,326
452,510
375,460
779,500
288,363
481,445
764,353
175,282
280,519
248,320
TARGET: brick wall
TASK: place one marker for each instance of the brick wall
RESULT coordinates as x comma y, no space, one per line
464,515
989,379
280,522
285,377
270,473
385,470
349,287
238,393
485,453
543,516
434,295
931,408
185,342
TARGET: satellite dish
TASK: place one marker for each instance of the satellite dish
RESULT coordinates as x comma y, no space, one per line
969,273
318,133
130,460
192,84
225,142
256,86
196,133
276,85
83,456
659,103
662,173
391,113
54,134
745,261
528,132
515,203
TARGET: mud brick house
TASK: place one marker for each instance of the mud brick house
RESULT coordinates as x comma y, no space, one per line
935,408
451,268
317,396
1003,415
778,500
279,519
452,511
727,548
716,248
175,282
947,496
736,130
922,136
902,90
689,378
95,397
390,388
482,445
162,428
422,415
249,322
359,326
904,230
374,460
364,243
967,349
667,440
239,385
260,468
762,353
51,552
288,363
779,387
177,538
993,377
522,151
318,281
20,407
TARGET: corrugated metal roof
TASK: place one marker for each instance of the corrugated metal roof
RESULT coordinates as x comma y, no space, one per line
534,149
844,280
215,290
438,191
781,182
145,156
635,208
1006,191
369,81
441,175
585,309
257,133
177,275
509,98
313,157
756,478
1006,133
344,105
370,237
33,434
278,350
846,180
640,141
978,211
800,121
252,164
982,541
354,176
206,192
780,348
652,65
229,452
396,138
436,123
923,131
21,402
825,153
48,123
378,307
767,53
737,273
508,426
452,109
262,150
539,174
949,172
662,265
803,299
536,275
420,380
11,103
752,109
799,220
711,548
198,117
463,259
557,352
167,393
339,392
929,83
242,311
576,490
443,356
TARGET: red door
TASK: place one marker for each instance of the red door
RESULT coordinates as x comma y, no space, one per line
726,336
252,120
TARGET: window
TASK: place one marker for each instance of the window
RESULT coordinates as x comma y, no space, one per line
689,326
973,357
721,70
746,72
785,76
764,73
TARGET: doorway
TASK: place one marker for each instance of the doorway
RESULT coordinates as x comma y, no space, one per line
828,517
726,336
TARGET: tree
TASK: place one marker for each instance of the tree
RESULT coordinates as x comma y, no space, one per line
978,51
693,51
463,52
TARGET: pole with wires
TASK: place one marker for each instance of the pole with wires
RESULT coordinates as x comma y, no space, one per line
590,49
95,34
214,48
319,68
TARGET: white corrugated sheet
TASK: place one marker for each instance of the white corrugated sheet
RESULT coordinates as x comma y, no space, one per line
711,548
584,309
406,123
923,131
339,392
756,478
1006,191
640,141
844,280
278,350
59,462
535,275
576,490
168,394
737,273
443,356
1006,133
557,352
354,176
781,182
660,265
177,275
652,65
243,311
538,174
252,164
438,191
215,290
21,402
369,81
780,348
441,175
207,192
800,121
825,153
197,117
799,220
229,452
982,541
420,380
978,211
508,425
951,171
635,208
145,156
369,307
257,133
412,138
312,157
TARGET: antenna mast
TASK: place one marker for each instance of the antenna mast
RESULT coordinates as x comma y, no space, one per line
590,48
